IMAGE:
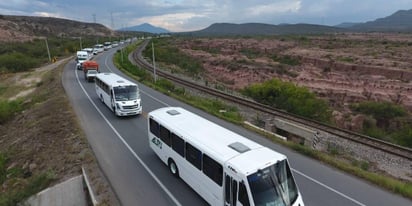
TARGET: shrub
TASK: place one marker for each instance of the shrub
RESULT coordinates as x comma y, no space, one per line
8,109
383,112
168,54
18,62
287,96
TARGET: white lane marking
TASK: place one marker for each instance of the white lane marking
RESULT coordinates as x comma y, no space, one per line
329,188
105,63
128,147
302,174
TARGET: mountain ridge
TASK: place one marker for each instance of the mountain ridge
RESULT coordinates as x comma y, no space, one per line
400,21
146,27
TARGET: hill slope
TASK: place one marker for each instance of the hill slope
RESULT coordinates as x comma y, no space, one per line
264,29
22,28
146,28
400,21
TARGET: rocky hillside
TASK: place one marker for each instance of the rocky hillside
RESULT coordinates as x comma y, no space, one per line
264,29
400,21
23,28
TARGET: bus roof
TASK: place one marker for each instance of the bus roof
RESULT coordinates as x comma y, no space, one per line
222,144
113,79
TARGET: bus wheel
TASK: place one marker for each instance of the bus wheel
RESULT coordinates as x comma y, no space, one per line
101,98
173,168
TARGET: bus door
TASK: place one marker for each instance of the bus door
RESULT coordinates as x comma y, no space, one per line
112,99
235,192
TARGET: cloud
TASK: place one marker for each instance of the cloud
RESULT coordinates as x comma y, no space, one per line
48,14
187,15
275,8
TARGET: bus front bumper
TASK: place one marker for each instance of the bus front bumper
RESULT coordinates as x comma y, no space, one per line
129,112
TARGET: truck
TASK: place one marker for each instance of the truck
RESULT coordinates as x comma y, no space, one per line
90,70
81,56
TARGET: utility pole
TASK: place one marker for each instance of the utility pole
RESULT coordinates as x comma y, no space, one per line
154,64
121,53
111,18
81,46
48,50
94,18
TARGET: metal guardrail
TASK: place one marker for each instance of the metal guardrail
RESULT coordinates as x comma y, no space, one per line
342,133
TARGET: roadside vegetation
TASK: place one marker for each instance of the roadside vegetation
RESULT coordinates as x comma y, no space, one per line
41,142
23,56
386,121
291,98
166,52
332,157
17,180
20,182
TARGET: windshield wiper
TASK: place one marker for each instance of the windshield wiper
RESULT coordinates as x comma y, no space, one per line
279,189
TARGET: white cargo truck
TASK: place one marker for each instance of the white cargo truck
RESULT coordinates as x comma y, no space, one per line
81,56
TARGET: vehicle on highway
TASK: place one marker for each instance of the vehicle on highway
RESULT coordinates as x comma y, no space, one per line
81,56
98,48
119,94
223,167
107,45
89,51
90,70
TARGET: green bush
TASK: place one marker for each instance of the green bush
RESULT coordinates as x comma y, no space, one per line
8,109
31,186
23,56
17,62
403,137
291,98
165,52
288,60
383,112
3,168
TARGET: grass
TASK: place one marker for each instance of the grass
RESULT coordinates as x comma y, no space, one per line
19,182
357,168
23,186
9,108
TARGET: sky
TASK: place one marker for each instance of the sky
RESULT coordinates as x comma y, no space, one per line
192,15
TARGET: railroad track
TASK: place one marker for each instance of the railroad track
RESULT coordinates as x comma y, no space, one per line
345,134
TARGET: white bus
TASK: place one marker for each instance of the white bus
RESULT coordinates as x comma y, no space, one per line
119,94
223,167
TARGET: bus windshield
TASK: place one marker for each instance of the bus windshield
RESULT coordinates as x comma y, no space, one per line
273,185
125,93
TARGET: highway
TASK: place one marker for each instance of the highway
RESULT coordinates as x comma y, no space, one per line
138,177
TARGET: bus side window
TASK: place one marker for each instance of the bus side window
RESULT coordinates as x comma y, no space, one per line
154,127
234,192
165,135
178,144
212,169
194,156
227,189
243,198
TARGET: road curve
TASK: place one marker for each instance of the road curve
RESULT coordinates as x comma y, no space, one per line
138,177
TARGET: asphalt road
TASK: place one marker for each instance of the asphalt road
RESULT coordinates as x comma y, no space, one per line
138,177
